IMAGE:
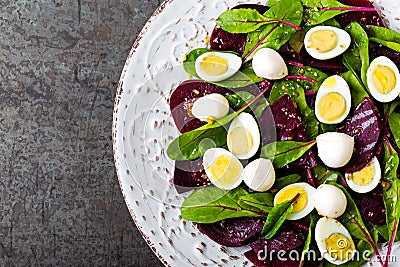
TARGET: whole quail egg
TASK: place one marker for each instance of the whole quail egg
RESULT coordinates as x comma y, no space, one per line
259,175
269,64
335,149
330,201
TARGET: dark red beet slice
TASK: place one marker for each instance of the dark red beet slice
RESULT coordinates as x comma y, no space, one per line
282,117
233,232
189,174
285,240
330,66
225,41
380,50
183,98
372,207
363,18
365,125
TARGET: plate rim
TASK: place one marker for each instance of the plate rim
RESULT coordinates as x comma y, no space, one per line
117,99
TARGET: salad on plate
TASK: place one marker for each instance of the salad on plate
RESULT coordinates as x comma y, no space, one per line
290,133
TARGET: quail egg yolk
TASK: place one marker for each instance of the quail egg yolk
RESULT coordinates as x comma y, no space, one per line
240,141
288,194
213,65
384,79
364,176
339,246
332,106
323,41
224,169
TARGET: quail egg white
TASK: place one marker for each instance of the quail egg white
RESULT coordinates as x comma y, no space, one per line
383,79
334,241
333,100
366,179
217,66
303,205
243,136
330,201
268,64
259,175
326,42
210,107
335,149
222,168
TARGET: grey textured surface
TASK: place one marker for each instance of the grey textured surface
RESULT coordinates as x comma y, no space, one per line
60,202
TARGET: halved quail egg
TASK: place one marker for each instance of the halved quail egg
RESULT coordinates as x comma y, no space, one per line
222,168
383,79
217,66
210,107
303,205
333,100
366,179
326,42
243,136
334,241
259,175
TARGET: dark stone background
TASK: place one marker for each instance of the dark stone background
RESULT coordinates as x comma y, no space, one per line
60,201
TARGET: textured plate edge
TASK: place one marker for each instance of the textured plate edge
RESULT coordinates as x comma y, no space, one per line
114,124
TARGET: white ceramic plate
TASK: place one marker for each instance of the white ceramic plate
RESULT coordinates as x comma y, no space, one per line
143,128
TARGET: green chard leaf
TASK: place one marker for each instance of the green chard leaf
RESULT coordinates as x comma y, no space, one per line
307,243
324,175
391,195
274,35
244,20
286,180
262,201
277,217
356,57
296,93
285,152
318,11
308,72
384,36
211,204
357,89
239,99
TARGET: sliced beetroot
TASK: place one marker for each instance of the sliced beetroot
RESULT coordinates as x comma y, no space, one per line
330,66
225,41
288,238
183,98
380,50
372,207
364,124
233,232
281,122
362,17
189,174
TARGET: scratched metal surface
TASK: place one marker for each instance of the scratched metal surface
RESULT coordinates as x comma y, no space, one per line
60,202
